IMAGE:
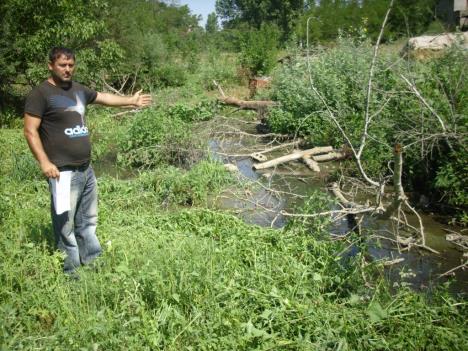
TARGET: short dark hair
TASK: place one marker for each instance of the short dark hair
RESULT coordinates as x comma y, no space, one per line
58,51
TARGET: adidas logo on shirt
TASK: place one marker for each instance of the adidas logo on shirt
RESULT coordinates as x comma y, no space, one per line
78,131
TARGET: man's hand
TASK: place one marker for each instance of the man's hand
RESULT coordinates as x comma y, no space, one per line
50,170
142,100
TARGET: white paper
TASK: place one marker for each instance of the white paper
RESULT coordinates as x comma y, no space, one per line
61,192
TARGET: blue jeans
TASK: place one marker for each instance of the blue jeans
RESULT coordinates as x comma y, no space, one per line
75,230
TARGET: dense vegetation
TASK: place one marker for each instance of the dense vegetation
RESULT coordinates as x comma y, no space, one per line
177,273
433,158
193,278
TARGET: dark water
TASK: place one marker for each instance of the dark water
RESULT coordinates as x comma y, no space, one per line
418,269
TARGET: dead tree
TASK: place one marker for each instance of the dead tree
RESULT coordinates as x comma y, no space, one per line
260,106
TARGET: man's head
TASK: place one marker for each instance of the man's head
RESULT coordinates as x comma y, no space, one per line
61,64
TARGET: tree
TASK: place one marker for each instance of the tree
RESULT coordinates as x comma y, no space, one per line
212,23
255,13
259,49
30,28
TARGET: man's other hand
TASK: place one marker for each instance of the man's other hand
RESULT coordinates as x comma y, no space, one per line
50,170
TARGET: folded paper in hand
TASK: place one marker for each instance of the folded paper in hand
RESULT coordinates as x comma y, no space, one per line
61,192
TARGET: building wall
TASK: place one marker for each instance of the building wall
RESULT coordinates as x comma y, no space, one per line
460,5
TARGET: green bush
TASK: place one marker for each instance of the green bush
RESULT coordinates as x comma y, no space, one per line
9,119
340,75
169,75
435,165
451,178
156,137
174,186
218,66
259,50
202,111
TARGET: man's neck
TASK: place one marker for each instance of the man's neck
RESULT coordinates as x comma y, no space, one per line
58,83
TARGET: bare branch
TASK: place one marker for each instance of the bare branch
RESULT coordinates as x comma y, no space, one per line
368,118
462,266
420,97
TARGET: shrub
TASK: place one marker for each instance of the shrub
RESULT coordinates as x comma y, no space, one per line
434,163
340,75
174,186
259,49
202,111
9,119
169,75
155,137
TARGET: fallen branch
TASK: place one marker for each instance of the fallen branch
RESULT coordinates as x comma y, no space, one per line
312,164
331,156
293,143
294,156
335,189
388,263
462,266
327,213
457,239
399,193
244,104
126,112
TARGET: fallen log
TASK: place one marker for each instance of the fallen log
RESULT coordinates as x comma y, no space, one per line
461,241
257,156
247,105
331,156
335,189
294,156
312,164
259,106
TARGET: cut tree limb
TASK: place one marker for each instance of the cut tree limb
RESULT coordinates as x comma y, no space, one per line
331,156
335,189
244,104
312,164
247,105
294,156
399,194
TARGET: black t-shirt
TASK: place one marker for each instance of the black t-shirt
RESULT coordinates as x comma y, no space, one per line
63,130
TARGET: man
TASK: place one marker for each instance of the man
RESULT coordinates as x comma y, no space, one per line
55,128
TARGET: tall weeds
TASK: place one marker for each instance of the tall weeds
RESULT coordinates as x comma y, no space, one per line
197,279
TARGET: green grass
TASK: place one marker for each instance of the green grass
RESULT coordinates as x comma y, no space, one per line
190,278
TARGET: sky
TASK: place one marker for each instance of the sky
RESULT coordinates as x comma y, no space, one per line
200,7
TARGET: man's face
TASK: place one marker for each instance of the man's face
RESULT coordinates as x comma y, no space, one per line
62,69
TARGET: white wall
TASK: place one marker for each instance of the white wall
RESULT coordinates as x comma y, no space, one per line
460,5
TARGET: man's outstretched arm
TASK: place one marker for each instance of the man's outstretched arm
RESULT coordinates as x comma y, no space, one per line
136,100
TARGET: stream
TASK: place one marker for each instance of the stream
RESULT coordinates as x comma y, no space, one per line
418,269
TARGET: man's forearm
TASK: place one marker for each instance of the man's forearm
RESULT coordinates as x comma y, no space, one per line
136,100
115,100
